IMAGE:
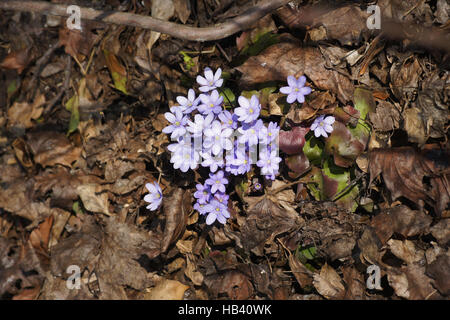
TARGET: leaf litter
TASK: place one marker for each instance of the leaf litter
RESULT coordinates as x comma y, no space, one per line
73,174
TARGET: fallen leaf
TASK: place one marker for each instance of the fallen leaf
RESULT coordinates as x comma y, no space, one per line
328,283
167,290
17,60
404,169
279,61
21,114
50,148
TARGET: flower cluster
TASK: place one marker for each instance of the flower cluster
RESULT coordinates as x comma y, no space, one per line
296,90
227,143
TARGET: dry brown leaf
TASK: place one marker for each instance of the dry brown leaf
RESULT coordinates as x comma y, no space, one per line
50,148
303,276
404,171
17,60
176,209
21,114
167,290
406,250
438,270
328,283
77,43
284,59
94,198
344,24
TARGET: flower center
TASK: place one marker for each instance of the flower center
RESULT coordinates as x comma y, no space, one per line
230,122
250,110
321,123
212,105
190,104
217,137
205,193
296,89
177,123
270,134
217,209
218,181
252,130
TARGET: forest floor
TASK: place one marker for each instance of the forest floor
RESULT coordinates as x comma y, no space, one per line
360,214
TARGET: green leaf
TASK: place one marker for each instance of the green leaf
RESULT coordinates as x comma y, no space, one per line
313,148
72,105
228,97
364,102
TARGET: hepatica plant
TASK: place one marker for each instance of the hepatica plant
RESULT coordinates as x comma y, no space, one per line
230,142
225,142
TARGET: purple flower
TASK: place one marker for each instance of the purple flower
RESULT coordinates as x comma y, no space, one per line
296,89
222,198
185,158
203,194
217,139
210,81
250,133
213,162
187,104
216,211
217,182
241,161
272,131
200,124
177,124
322,126
154,197
248,110
268,162
228,119
201,208
211,103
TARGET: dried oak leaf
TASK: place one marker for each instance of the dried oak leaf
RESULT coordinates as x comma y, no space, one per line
303,276
406,171
401,220
283,59
386,117
50,148
355,284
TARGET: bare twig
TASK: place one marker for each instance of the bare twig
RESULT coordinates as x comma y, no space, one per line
64,88
216,32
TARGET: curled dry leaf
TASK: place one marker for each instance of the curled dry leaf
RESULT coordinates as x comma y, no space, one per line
279,61
177,207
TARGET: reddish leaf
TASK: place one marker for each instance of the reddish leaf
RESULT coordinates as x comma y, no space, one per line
292,142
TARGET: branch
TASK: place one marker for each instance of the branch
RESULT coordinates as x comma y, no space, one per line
216,32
